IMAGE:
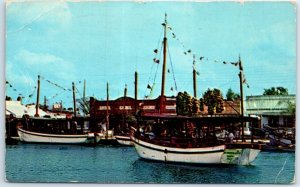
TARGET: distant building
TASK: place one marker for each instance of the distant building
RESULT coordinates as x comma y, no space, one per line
127,105
272,109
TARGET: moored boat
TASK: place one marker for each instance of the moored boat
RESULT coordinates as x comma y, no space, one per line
36,137
175,141
124,140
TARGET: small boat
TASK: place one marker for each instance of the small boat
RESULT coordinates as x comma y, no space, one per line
36,137
124,140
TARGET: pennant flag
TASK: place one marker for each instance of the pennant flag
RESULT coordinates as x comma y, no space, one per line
168,71
197,72
148,86
189,51
7,82
171,88
201,57
154,59
146,96
157,61
155,50
224,62
30,95
174,36
185,53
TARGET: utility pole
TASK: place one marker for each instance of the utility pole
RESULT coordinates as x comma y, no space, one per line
37,98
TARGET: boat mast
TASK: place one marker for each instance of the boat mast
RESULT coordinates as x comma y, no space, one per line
74,99
107,98
135,91
84,98
37,98
161,107
194,78
242,95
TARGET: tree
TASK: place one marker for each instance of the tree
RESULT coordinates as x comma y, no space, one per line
276,91
84,106
231,96
8,98
186,104
213,99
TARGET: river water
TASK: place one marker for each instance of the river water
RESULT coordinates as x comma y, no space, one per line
113,164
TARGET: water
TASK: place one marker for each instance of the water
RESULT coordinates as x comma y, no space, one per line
107,164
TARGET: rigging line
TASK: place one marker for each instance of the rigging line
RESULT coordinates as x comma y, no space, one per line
172,68
151,90
280,170
55,95
159,41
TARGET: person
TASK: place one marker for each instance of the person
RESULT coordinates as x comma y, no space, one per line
231,137
237,134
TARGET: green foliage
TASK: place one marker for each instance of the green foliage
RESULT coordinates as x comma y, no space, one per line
231,96
84,106
213,99
276,91
186,104
8,98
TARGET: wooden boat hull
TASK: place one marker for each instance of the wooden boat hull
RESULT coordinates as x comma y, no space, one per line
235,155
35,137
124,140
208,155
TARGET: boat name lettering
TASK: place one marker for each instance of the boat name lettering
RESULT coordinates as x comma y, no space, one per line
103,108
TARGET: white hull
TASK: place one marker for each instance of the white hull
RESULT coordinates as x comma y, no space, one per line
34,137
207,155
124,140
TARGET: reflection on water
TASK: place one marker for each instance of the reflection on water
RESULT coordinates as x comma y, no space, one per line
107,164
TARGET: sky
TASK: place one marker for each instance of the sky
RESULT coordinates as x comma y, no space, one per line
100,42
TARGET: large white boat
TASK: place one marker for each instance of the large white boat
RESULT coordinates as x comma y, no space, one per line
181,147
36,137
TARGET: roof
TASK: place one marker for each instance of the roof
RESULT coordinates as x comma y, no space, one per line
266,104
15,108
205,118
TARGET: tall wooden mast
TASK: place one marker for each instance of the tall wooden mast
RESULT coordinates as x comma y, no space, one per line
135,91
242,95
37,98
107,99
161,107
74,99
84,97
194,78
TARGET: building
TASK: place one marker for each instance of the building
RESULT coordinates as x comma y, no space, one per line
272,109
127,105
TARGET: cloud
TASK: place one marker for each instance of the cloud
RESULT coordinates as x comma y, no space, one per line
47,65
48,14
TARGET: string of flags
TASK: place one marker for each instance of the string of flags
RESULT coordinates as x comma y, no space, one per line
202,58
